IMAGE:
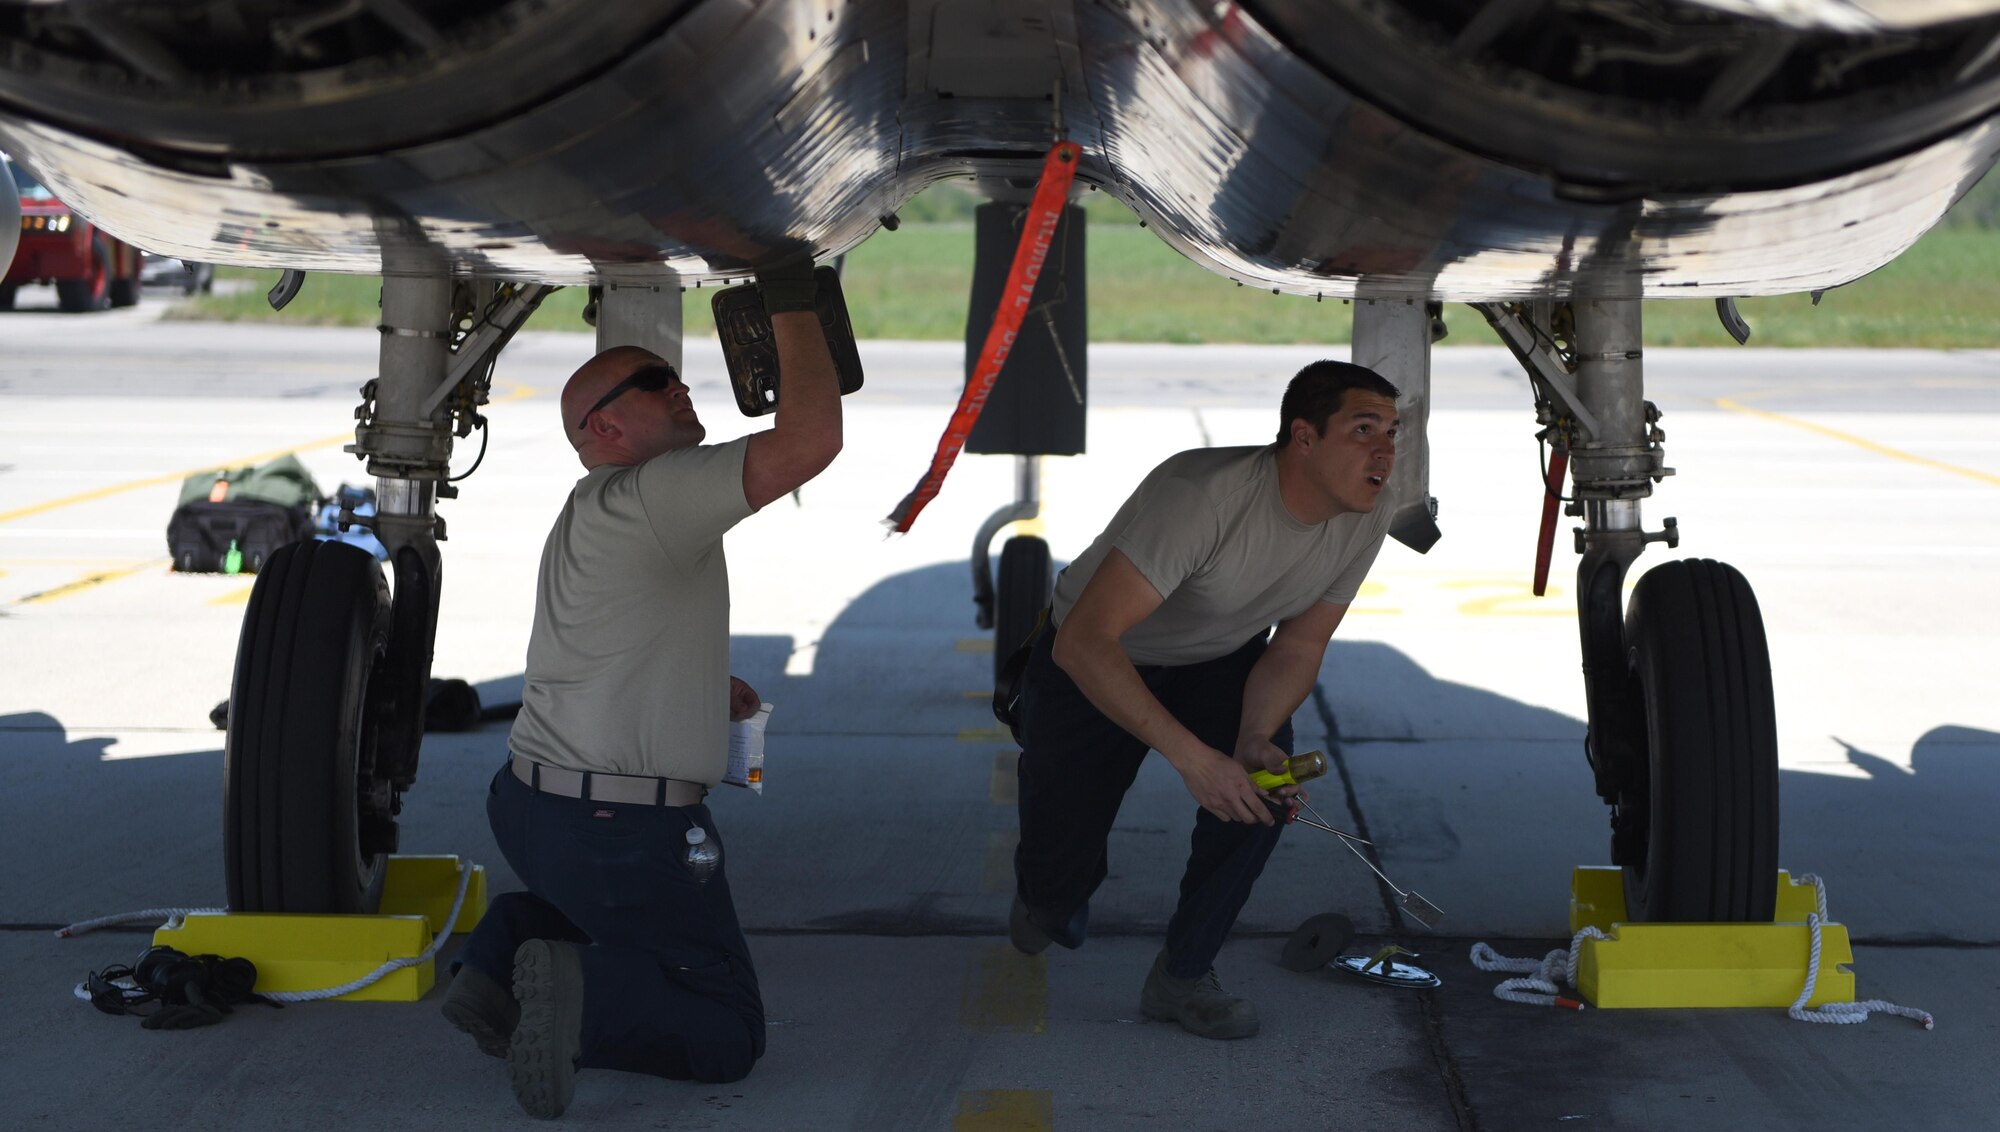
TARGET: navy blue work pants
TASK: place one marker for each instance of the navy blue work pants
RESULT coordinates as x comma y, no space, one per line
668,985
1075,767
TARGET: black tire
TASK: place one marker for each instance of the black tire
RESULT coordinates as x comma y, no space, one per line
1709,817
1018,599
302,733
124,292
93,292
7,298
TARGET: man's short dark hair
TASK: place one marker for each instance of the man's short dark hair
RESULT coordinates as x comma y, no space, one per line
1317,390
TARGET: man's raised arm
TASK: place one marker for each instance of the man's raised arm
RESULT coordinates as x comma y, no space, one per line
806,434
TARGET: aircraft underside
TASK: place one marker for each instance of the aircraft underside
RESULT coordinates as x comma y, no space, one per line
1554,162
1429,148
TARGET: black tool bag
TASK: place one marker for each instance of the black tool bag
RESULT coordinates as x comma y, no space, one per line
256,510
1013,678
200,533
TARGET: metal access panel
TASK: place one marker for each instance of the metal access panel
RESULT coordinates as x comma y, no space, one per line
750,352
1037,404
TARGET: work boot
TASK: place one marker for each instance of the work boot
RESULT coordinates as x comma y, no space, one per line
541,1057
1022,932
1200,1005
483,1008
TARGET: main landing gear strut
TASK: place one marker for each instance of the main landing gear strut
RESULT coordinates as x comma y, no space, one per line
326,708
1682,737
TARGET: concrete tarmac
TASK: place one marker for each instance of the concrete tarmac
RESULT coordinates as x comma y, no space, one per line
1858,491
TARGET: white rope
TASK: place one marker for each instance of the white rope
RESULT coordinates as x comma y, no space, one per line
172,916
1839,1013
370,979
1539,987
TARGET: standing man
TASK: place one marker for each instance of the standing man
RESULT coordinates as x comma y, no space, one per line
1159,644
624,953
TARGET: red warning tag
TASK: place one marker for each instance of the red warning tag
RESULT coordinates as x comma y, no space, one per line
1038,233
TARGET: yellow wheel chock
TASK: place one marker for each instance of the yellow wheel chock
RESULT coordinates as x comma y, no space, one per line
306,952
1695,965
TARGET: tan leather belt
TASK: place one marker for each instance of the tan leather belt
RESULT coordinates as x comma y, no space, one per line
630,789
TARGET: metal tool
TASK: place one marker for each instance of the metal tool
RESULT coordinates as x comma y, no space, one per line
1420,910
1298,768
1383,969
1342,834
1317,942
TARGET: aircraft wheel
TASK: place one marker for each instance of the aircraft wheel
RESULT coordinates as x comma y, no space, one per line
302,734
93,291
1018,600
1708,819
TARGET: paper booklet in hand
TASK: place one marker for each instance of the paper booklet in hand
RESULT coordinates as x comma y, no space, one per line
746,750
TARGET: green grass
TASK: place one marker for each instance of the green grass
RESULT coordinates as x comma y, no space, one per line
912,283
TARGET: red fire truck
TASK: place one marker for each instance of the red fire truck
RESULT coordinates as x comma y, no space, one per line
90,268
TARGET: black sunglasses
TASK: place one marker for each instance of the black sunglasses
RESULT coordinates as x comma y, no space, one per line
646,379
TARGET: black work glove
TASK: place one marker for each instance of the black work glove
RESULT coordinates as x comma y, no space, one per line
788,284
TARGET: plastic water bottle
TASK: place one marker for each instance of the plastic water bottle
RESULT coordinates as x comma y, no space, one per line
703,855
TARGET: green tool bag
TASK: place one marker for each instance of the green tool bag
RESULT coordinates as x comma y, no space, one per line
229,521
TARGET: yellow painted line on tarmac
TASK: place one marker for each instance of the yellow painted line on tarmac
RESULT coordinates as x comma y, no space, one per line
1006,992
1006,788
1030,528
1858,442
998,876
985,734
976,694
89,582
1004,1110
63,562
1511,597
514,394
1372,589
975,644
171,477
239,596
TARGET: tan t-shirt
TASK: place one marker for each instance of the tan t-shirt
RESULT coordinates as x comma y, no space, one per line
1209,530
628,663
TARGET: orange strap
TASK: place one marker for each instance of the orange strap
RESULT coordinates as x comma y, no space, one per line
1551,499
1037,234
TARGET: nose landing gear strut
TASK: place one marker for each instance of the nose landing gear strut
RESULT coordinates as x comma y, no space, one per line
1682,737
327,704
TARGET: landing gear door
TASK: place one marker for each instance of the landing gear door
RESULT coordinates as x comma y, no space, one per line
1393,337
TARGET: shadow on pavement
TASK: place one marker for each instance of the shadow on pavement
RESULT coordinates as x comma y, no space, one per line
888,805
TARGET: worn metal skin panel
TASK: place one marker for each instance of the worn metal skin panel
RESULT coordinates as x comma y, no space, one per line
738,127
10,218
1255,164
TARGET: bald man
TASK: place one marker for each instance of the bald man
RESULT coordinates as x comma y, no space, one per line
621,954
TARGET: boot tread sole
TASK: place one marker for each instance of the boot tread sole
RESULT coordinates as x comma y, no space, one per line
543,1083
